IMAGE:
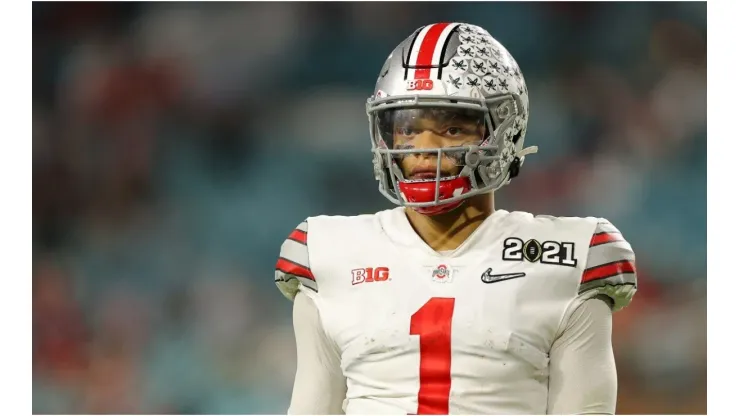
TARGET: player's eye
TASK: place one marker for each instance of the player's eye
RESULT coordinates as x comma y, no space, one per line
455,131
405,131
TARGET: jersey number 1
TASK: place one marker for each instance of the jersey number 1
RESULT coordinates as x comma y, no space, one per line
433,324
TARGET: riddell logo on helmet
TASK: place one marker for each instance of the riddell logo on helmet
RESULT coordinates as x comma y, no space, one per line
369,274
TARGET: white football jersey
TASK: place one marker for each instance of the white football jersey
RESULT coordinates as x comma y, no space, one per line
468,331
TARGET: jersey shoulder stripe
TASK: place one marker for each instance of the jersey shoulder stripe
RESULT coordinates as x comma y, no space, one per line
605,237
610,265
293,269
608,270
287,266
299,236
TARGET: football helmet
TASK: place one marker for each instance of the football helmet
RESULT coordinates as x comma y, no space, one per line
458,69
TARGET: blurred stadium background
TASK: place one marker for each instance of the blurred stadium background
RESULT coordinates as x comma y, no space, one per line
176,145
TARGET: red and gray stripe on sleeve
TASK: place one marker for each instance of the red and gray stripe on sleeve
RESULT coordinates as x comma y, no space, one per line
611,261
293,261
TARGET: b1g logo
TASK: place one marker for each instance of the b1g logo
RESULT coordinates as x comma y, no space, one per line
548,252
419,85
369,274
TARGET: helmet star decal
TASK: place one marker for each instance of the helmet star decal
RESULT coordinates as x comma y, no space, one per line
459,64
479,66
455,82
472,81
466,51
489,84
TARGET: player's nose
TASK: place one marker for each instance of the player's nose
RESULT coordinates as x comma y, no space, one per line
428,140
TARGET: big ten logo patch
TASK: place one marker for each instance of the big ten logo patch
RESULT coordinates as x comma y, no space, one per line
370,274
420,85
548,252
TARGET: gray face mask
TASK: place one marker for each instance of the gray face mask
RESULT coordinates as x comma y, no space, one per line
483,159
403,128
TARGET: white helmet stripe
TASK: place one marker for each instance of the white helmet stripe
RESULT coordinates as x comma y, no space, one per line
424,53
417,45
439,49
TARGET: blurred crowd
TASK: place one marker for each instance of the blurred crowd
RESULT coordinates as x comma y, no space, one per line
175,145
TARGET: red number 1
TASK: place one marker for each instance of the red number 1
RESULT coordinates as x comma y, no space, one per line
433,323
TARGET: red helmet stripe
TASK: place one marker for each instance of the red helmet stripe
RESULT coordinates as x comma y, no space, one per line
426,50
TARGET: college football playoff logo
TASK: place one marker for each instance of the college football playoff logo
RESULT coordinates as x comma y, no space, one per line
547,252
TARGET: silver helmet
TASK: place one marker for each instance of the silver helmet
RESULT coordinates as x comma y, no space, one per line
458,67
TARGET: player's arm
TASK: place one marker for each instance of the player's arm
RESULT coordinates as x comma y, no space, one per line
319,386
583,375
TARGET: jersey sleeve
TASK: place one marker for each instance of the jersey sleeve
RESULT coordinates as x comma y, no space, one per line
293,271
320,386
583,374
610,267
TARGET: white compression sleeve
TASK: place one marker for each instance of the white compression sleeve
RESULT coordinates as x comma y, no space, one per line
583,375
319,386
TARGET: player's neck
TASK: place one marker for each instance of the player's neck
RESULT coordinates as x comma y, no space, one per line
448,231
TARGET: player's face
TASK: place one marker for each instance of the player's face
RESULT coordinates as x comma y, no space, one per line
433,129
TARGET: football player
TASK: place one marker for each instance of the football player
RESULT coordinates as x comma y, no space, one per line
444,305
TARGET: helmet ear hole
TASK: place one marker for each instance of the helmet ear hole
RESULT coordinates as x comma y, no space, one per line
516,137
514,168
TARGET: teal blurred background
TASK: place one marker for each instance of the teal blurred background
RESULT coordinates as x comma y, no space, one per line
176,145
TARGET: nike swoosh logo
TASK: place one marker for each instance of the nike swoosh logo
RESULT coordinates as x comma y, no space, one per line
487,277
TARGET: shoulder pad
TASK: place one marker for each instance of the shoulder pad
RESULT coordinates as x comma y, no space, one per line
610,267
293,271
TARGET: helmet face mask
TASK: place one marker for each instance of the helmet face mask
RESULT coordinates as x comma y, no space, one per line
448,75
